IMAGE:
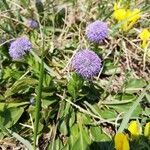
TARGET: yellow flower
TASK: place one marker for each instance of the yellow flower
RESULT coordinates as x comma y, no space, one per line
136,14
135,128
133,17
125,26
116,6
120,14
147,130
130,17
121,142
144,36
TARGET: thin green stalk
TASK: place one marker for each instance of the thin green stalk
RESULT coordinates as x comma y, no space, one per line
40,86
38,102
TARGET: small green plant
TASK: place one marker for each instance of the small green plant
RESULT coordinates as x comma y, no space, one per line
74,75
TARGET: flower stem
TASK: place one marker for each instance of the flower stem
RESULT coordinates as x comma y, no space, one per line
38,102
39,94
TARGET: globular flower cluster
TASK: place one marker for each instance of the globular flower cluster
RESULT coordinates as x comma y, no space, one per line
96,31
19,47
86,63
32,23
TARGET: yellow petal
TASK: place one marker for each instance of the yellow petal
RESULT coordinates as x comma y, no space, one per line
144,44
132,17
135,15
120,14
116,6
121,142
126,23
135,128
128,13
147,129
144,35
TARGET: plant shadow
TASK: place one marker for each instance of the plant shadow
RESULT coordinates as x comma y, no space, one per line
105,145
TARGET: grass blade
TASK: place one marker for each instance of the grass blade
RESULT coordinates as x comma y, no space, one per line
129,113
17,136
22,140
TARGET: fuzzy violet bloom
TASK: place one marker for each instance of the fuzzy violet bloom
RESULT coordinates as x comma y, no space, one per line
19,47
86,63
96,31
32,23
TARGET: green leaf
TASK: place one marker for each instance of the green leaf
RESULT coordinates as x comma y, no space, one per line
12,73
9,105
67,119
82,141
34,64
125,97
107,113
66,147
134,85
9,116
2,135
110,68
137,111
131,110
96,132
71,117
148,97
20,85
74,135
125,108
1,97
63,128
47,102
56,145
94,108
74,85
146,112
104,137
86,119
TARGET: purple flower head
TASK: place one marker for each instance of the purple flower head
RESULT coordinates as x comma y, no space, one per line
96,31
19,47
32,23
86,63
